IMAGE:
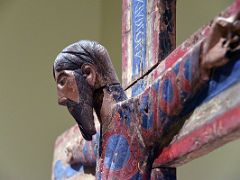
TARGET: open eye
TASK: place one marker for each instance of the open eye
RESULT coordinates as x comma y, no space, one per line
62,81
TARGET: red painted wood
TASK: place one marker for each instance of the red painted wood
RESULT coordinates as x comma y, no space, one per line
125,40
179,52
192,141
206,130
160,37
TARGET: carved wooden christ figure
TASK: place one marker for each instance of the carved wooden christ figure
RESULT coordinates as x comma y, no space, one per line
134,131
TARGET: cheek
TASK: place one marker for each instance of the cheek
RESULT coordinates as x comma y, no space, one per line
69,91
72,91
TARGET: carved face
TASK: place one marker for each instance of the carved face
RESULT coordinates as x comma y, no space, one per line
74,92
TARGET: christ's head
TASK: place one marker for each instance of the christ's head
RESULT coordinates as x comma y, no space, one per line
79,71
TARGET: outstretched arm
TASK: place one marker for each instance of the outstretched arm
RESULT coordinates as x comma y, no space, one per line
179,90
74,156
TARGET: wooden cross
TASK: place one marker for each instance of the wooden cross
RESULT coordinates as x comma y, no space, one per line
146,41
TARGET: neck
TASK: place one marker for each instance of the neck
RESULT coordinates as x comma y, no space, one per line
105,98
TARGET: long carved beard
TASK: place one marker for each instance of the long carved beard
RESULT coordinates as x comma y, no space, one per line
82,112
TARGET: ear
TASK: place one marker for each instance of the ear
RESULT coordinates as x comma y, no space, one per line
89,73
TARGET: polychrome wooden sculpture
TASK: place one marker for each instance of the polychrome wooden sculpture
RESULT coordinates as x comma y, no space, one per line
133,132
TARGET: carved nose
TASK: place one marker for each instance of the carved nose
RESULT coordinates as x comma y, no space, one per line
62,101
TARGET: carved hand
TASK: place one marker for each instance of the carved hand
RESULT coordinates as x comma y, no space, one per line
222,44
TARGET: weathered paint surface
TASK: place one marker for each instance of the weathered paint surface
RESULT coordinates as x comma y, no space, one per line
136,130
152,34
142,126
139,35
210,126
149,38
174,56
217,125
135,133
73,156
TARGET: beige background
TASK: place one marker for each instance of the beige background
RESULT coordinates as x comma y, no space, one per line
31,35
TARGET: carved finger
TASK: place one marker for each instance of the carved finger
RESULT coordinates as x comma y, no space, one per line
234,42
237,16
220,29
216,56
236,28
233,54
224,23
236,25
236,48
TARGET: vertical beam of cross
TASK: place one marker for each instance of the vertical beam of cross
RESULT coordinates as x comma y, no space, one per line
148,36
222,126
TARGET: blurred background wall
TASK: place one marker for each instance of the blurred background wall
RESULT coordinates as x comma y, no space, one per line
31,35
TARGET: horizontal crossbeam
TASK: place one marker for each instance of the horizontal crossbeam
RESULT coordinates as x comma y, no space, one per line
211,125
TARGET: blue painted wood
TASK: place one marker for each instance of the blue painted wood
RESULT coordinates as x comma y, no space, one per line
169,101
164,97
139,35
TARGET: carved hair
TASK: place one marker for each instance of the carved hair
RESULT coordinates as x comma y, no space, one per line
86,52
